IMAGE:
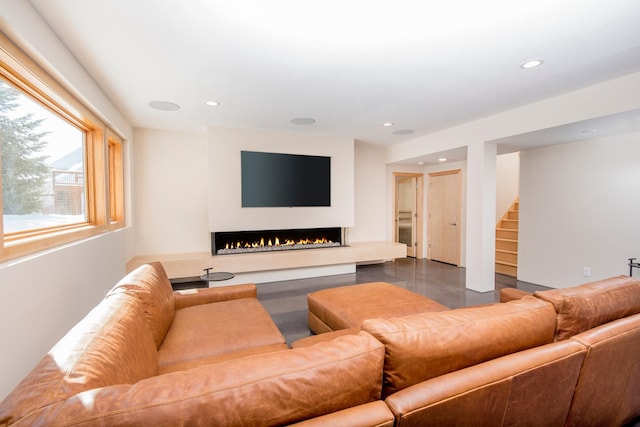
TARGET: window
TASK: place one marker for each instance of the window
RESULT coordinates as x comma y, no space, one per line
61,178
43,169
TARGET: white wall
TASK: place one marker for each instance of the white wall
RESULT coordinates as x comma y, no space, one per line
171,187
181,185
225,210
507,182
611,97
44,295
579,207
370,194
172,176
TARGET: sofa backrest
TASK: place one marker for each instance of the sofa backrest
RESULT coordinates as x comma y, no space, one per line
150,284
532,387
608,388
586,306
269,389
427,345
111,345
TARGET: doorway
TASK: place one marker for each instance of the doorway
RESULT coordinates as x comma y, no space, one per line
444,217
408,211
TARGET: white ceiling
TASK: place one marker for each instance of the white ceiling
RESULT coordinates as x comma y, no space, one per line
349,64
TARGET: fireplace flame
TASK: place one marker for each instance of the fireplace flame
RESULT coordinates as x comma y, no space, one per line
276,242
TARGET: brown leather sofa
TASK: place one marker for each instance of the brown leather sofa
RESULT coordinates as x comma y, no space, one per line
149,356
564,357
492,365
576,364
603,317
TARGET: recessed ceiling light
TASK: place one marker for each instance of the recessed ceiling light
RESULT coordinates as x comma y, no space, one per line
532,63
303,121
212,103
442,159
164,106
387,124
421,163
586,131
403,132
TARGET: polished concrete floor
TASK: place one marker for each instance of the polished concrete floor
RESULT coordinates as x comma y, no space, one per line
286,301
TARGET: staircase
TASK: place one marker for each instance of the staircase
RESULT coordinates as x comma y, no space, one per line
507,242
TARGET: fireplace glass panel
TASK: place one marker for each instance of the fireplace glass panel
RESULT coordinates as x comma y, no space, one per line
234,242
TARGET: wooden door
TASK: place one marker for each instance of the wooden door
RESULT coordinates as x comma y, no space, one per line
408,212
444,216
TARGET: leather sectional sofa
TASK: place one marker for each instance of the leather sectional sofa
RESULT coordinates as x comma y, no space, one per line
146,355
149,356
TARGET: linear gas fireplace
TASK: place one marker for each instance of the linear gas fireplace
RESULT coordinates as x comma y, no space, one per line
239,242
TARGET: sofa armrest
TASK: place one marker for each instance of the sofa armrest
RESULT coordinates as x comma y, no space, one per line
510,294
190,297
373,414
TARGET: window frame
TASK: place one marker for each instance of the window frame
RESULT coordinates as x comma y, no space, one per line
115,162
20,70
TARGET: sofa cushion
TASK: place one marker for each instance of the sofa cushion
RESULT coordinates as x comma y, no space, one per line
586,306
203,332
265,390
346,307
150,283
426,345
111,345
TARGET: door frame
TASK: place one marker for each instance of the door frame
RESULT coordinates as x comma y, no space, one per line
459,213
418,244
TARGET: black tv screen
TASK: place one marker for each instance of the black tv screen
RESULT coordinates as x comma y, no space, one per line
285,180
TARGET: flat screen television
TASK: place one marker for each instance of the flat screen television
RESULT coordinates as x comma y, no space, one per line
285,180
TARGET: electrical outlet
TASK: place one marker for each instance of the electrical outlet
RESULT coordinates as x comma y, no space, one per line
586,271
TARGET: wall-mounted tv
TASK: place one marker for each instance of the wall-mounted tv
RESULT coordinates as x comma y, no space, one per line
285,180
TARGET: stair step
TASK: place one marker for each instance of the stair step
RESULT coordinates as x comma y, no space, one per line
507,244
508,257
511,224
513,215
507,269
510,264
504,233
